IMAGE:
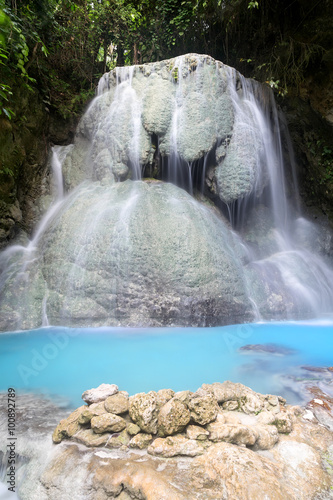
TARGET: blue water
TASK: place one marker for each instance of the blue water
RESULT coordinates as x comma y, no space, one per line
64,362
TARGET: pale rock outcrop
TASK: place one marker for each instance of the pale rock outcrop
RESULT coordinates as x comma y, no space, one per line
230,405
129,127
141,441
248,401
266,417
267,437
143,410
196,432
164,395
116,465
107,423
173,418
203,407
117,404
118,440
201,284
68,426
100,393
89,438
183,396
321,406
230,433
91,411
283,422
133,429
175,445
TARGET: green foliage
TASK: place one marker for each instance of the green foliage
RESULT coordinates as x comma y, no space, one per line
322,154
6,171
5,93
64,46
253,5
328,462
175,74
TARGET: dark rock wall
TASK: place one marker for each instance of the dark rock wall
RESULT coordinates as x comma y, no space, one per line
312,139
25,142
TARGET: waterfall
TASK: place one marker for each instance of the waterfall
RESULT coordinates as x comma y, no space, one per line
170,208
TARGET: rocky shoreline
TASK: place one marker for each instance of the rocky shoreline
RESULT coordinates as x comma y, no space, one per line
223,441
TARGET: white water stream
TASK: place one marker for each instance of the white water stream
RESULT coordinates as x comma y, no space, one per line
282,277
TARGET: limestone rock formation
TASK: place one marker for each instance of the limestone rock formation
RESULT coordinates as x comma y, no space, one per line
99,394
124,247
239,455
89,437
118,440
117,404
132,262
203,407
68,426
141,441
173,417
93,410
107,423
176,445
196,432
143,410
228,450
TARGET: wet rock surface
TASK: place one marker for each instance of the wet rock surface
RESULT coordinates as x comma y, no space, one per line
238,455
132,267
277,452
118,251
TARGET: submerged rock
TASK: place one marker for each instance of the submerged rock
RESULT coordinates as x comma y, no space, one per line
267,349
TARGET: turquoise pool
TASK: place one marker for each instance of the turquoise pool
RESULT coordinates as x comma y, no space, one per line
64,362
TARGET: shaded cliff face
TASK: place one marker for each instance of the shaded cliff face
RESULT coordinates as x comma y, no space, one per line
312,138
24,153
23,157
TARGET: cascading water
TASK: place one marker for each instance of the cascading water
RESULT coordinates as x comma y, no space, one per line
304,279
115,248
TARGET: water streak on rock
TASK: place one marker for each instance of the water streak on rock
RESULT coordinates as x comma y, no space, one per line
221,245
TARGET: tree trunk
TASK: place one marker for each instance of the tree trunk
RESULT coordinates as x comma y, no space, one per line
135,56
120,55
